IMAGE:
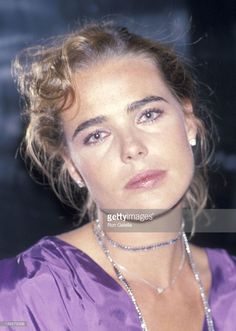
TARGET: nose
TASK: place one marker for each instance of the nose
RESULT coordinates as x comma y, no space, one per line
132,148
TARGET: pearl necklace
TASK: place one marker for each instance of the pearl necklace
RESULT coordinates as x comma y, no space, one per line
100,235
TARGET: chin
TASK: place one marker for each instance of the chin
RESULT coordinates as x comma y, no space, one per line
160,199
147,203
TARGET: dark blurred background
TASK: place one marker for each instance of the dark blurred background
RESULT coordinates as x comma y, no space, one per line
204,31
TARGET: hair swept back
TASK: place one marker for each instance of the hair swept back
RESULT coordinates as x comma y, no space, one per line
44,77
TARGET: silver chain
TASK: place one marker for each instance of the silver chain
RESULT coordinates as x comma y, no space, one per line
143,248
99,234
160,289
206,306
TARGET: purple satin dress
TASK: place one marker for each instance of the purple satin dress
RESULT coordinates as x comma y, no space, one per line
54,286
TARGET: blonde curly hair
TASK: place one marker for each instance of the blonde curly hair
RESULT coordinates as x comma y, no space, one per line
44,77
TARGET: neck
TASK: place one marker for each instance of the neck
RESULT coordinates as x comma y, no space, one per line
164,261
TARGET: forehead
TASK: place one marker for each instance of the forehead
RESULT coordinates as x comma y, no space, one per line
116,82
118,71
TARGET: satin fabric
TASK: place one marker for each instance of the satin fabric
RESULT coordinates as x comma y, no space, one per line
54,286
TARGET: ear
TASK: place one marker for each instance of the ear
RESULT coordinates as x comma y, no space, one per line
190,120
74,173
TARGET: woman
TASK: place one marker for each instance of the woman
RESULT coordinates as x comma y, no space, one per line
116,116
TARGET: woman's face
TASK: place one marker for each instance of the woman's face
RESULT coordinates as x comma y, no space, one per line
153,134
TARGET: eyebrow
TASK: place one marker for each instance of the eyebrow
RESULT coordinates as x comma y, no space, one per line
129,109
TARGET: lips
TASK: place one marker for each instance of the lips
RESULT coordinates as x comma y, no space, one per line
146,179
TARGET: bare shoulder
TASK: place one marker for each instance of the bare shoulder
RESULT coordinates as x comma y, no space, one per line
81,238
201,259
200,256
84,239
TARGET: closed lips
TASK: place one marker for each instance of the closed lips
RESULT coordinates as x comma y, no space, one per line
144,177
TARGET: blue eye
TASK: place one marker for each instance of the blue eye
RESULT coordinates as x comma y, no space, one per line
151,115
93,138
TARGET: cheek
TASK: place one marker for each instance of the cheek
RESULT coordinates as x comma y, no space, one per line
182,169
95,173
178,156
176,140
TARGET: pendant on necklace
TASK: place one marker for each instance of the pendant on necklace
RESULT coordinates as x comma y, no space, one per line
160,290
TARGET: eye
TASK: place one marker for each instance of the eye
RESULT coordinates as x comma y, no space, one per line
94,138
150,115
